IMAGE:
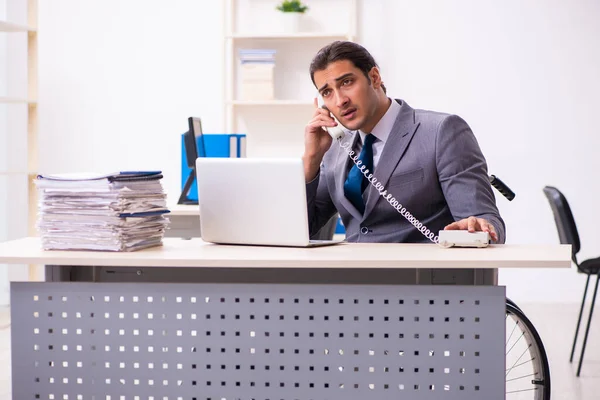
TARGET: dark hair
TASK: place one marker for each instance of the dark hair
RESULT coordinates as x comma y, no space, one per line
343,50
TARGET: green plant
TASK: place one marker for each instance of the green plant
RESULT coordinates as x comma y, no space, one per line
292,6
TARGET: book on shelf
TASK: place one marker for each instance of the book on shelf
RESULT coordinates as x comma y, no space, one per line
257,91
257,74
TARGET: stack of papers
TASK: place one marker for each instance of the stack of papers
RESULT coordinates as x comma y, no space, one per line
112,212
257,56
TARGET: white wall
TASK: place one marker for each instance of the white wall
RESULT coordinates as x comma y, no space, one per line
118,80
525,77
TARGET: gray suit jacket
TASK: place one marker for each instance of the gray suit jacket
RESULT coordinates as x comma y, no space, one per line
431,163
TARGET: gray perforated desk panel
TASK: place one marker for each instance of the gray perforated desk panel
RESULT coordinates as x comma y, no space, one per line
215,341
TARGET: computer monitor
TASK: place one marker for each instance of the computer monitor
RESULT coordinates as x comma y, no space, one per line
194,147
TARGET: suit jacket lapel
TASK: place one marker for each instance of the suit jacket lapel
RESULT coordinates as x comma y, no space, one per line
341,167
402,133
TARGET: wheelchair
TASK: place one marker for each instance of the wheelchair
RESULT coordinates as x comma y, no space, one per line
527,367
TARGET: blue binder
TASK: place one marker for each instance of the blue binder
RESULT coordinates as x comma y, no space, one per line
339,227
216,145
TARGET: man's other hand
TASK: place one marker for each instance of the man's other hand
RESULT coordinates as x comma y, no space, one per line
473,224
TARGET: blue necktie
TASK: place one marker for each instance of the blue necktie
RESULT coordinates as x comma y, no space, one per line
356,182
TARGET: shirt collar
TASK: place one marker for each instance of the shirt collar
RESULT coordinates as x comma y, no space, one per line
383,128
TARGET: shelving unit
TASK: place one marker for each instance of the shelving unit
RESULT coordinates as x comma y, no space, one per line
16,100
269,103
283,36
275,127
29,100
10,27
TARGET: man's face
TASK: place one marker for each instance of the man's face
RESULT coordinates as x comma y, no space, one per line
347,93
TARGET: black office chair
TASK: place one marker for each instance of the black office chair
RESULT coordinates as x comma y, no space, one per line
567,233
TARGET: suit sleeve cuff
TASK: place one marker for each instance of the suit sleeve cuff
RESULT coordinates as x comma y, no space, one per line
311,187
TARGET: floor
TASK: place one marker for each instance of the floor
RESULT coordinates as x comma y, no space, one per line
556,326
555,323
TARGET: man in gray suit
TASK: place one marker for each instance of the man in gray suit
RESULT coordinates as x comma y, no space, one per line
428,161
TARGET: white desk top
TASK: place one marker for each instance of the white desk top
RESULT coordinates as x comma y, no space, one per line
196,253
184,210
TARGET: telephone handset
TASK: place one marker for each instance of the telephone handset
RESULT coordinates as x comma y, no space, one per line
449,238
335,132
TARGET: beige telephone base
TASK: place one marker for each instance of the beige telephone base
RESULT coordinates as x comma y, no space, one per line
463,239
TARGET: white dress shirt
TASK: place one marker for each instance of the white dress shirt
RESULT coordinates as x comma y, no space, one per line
381,131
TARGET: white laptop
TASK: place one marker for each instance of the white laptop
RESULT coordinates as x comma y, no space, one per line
253,201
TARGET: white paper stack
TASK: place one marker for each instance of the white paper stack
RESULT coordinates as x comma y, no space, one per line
257,74
111,212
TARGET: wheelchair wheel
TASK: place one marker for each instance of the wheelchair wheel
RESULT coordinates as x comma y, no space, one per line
509,302
527,369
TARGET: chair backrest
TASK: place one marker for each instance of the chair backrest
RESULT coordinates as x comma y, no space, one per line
563,217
